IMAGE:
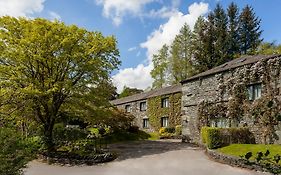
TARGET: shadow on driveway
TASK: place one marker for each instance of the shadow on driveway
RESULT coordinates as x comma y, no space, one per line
142,148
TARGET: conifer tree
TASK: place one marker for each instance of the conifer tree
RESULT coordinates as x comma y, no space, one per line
249,31
233,26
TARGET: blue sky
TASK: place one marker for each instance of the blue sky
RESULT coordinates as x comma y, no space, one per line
140,26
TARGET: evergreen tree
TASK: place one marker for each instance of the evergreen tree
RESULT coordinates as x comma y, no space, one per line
160,67
199,61
181,55
233,34
249,31
220,32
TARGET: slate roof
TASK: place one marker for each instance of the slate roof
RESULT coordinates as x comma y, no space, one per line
149,94
231,65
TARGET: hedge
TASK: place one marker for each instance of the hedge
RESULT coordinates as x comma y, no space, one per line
219,137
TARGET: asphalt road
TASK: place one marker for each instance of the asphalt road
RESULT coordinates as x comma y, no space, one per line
147,158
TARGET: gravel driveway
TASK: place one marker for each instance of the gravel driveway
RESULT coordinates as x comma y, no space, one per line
147,158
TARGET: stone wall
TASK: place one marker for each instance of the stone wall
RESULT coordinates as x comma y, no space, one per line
208,89
173,112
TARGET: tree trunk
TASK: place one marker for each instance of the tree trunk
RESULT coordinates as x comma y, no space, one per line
48,136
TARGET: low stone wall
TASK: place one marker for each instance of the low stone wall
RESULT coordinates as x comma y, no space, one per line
65,159
231,160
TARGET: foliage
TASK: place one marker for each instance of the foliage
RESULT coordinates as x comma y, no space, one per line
266,111
15,152
64,135
155,111
160,67
219,137
217,39
121,136
269,48
178,130
249,31
116,119
49,69
181,55
266,156
208,111
127,91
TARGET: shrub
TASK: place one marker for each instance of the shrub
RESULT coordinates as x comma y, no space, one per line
133,129
62,134
219,137
178,130
14,152
170,130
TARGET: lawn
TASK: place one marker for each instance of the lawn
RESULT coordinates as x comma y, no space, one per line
242,149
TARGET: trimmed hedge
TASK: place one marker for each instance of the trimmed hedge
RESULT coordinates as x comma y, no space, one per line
219,137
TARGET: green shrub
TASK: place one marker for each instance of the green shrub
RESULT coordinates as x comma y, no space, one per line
170,130
178,130
62,134
219,137
15,152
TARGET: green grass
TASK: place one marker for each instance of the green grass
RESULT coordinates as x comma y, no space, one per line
153,136
241,149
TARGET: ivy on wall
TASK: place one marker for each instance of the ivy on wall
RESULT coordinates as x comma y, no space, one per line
265,110
156,112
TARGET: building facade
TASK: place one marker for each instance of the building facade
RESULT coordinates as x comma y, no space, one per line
259,76
154,109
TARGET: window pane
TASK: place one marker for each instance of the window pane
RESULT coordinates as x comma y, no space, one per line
250,92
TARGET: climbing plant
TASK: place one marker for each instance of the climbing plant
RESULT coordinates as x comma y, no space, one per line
233,99
156,112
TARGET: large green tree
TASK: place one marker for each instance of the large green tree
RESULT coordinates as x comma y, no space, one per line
160,67
233,33
181,55
49,69
249,31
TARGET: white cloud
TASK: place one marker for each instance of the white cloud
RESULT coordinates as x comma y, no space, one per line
18,8
139,77
117,9
164,12
54,15
167,32
132,49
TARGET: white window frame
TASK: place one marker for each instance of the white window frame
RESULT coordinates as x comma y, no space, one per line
145,123
143,106
254,91
165,102
164,121
128,108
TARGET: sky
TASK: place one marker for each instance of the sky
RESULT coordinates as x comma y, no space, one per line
141,27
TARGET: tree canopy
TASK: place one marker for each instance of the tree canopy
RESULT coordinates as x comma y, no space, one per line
217,38
127,91
49,69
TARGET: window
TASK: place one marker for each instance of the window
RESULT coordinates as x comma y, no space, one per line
164,122
254,91
145,123
220,123
128,108
142,106
165,102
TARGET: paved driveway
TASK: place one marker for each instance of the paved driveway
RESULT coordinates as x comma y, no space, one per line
147,158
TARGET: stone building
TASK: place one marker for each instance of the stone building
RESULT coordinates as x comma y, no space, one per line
153,109
257,72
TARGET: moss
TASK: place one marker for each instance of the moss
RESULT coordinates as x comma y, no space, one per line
155,111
